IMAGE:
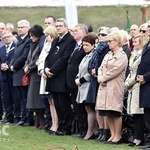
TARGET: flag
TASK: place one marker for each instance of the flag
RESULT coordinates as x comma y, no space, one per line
144,14
128,23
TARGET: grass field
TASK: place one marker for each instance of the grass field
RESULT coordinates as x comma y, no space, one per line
28,138
97,16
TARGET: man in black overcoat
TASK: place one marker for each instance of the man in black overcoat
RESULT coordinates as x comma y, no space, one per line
143,77
55,68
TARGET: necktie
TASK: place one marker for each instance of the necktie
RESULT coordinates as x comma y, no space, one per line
60,38
76,48
7,48
7,51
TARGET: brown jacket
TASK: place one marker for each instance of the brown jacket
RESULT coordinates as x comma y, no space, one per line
112,73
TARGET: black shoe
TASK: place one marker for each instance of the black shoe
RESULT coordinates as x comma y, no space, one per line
46,127
28,124
118,142
144,147
8,121
52,132
100,135
20,123
106,135
82,134
107,142
90,138
132,144
63,133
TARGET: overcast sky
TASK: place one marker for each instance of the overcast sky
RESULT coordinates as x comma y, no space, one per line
29,3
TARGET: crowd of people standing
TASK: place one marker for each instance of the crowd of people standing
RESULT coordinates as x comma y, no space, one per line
76,76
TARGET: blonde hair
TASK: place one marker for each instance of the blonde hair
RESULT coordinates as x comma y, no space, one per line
51,30
117,36
143,39
125,36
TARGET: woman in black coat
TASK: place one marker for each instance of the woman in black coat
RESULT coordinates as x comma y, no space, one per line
34,100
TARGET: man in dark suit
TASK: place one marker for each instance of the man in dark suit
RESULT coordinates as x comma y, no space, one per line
72,69
56,65
2,27
6,54
17,64
143,77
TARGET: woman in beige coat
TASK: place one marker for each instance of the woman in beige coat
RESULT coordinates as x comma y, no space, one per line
111,75
50,33
133,90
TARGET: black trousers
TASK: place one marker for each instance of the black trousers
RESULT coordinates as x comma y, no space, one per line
63,109
8,99
20,105
139,126
1,105
80,112
147,123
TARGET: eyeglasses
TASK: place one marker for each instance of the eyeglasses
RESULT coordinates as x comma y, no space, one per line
109,41
21,27
102,34
59,26
6,37
143,31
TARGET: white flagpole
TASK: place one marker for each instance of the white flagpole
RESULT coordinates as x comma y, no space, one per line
71,12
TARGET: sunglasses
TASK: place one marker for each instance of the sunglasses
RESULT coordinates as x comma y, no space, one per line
143,31
102,34
109,41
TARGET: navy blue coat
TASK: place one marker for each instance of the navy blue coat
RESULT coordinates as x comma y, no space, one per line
100,52
144,69
20,55
6,59
57,61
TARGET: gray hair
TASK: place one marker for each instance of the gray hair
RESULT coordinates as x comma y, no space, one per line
10,25
62,20
83,27
24,22
5,32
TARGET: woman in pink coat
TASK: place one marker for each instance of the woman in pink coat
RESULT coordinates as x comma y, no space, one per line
111,76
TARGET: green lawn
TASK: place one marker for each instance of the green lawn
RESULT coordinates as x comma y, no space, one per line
97,16
28,138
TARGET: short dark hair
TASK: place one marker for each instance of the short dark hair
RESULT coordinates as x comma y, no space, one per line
89,38
36,31
51,17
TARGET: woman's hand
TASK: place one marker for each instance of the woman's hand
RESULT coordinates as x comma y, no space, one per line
44,76
93,72
77,81
26,70
140,79
49,39
37,62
